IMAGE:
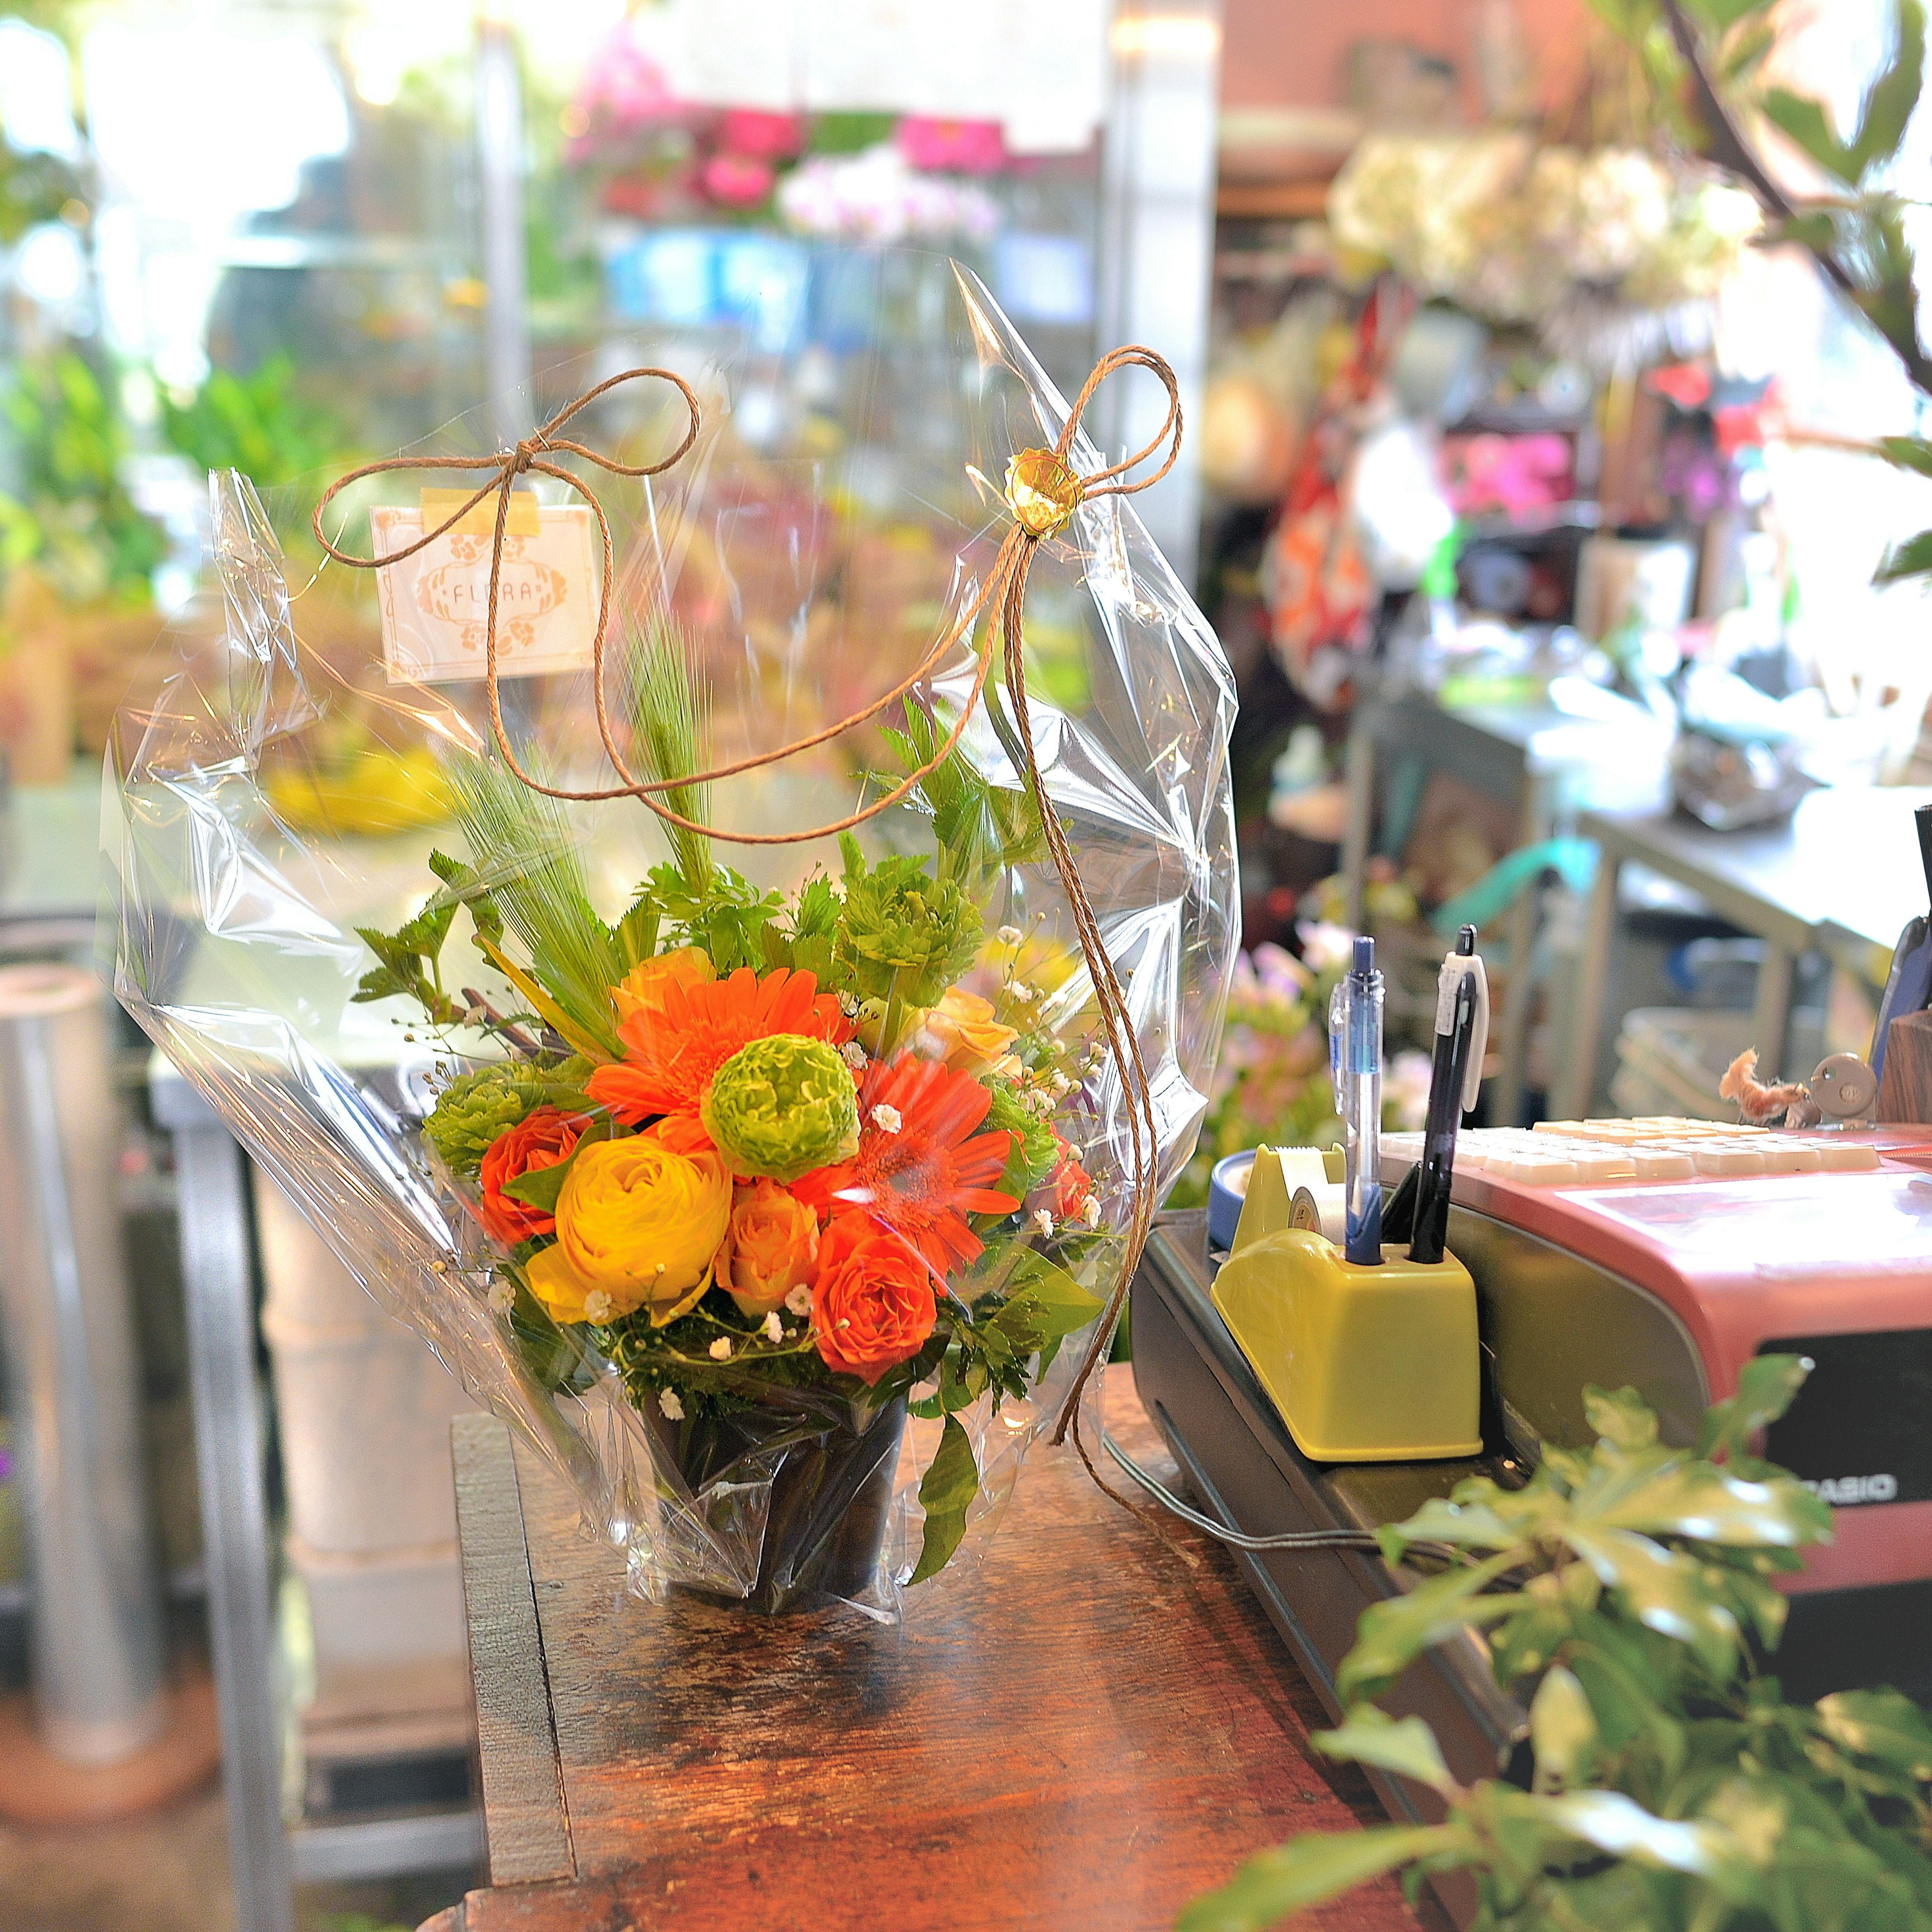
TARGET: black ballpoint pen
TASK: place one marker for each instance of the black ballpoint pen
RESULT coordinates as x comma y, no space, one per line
1456,1073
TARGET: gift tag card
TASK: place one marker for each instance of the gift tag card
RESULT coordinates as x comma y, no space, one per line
436,604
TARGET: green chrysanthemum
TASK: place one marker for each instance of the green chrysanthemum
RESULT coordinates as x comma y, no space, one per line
781,1106
902,936
475,1108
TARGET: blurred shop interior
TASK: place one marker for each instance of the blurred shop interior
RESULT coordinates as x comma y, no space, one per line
1522,484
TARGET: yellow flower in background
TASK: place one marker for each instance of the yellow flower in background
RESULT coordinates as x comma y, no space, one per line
968,1035
369,792
637,1224
686,966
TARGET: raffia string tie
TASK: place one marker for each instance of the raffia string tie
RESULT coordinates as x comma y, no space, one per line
1042,492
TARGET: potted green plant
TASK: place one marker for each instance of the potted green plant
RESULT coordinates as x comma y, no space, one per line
1627,1594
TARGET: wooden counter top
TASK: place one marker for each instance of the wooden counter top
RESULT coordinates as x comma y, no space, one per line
1078,1731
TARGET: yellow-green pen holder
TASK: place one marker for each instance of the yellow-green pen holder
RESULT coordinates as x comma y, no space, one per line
1365,1364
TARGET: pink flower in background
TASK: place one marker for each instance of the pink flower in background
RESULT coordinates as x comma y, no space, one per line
761,136
624,85
952,147
736,181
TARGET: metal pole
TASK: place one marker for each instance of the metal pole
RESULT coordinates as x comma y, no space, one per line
1158,163
499,151
96,1655
218,1283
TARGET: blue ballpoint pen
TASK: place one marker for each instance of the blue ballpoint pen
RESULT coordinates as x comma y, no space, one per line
1355,1065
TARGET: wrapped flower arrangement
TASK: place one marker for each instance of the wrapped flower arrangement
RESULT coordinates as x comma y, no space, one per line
780,1207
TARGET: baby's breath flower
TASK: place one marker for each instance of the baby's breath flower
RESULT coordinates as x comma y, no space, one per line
887,1119
503,1297
1021,990
720,1349
798,1302
848,1005
597,1305
774,1327
1008,935
668,1405
1043,1221
855,1056
1090,1210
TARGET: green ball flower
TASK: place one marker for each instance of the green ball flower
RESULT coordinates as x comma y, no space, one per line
475,1108
781,1106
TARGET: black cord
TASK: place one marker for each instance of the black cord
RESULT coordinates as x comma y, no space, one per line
1294,1539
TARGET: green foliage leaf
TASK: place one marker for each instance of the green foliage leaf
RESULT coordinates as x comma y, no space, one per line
1912,558
1680,1497
1619,1825
1882,1724
1308,1869
1722,14
1463,1526
1666,1590
1805,121
1907,452
555,1358
1057,1306
1888,106
1620,1417
1766,1387
980,829
468,888
379,983
1888,293
945,1493
637,932
1394,1634
540,1187
1563,1730
1406,1747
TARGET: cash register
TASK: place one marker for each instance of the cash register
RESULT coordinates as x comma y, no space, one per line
1662,1255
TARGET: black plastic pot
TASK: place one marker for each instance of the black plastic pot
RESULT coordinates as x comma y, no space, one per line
823,1517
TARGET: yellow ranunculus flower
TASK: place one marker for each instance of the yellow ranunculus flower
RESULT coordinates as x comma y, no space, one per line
684,966
636,1224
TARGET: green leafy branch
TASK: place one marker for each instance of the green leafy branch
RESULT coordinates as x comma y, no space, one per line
981,829
410,959
1673,1789
1701,58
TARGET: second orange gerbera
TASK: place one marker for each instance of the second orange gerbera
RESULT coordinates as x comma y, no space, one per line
921,1165
678,1037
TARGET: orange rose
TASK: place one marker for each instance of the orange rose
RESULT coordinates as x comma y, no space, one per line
772,1247
540,1140
1072,1185
684,966
968,1035
872,1307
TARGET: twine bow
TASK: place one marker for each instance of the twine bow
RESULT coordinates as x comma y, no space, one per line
1043,492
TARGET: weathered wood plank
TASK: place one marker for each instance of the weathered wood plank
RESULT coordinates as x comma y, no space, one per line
528,1831
1081,1730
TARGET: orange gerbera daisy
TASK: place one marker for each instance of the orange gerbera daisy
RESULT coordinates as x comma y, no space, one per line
676,1039
921,1168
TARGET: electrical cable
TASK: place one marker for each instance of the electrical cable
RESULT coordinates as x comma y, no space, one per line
1294,1539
